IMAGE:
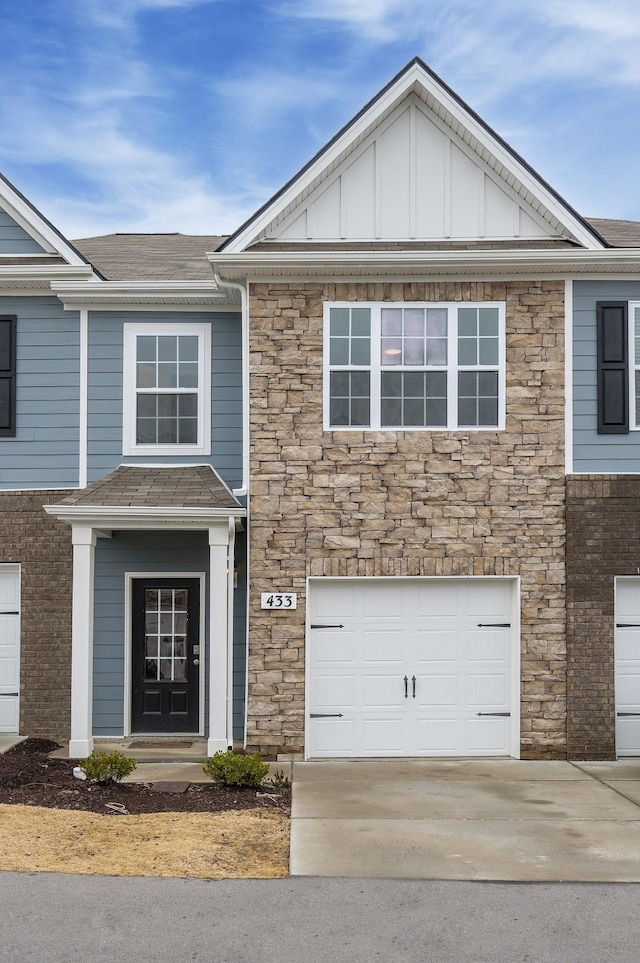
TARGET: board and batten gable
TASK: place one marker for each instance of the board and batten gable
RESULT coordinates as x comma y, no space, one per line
411,178
44,454
14,239
105,401
595,453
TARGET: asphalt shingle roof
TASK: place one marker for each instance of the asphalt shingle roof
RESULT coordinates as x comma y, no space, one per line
138,486
150,257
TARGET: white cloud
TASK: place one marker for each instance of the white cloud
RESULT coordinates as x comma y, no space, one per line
121,14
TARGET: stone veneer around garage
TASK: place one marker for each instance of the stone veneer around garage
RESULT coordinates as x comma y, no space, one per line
402,503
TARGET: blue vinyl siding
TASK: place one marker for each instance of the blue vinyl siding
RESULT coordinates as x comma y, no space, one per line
14,239
45,451
594,453
144,552
106,388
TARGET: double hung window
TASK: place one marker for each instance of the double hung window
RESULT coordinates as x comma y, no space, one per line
412,366
167,389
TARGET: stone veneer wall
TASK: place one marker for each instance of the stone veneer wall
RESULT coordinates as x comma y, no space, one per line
403,503
603,541
42,546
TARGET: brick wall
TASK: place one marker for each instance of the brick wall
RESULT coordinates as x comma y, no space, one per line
404,503
603,541
42,546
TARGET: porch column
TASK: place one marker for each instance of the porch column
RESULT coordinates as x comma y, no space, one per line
219,737
84,545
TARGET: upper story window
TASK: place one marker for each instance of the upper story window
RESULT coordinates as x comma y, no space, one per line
7,377
412,366
167,389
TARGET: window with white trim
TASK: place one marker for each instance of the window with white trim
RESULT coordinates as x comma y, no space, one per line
414,365
167,389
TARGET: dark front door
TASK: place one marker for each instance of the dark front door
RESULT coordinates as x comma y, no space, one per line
166,655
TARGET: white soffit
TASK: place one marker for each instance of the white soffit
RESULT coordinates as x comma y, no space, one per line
415,165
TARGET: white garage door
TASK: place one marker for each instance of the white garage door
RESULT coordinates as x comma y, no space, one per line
9,647
410,667
628,667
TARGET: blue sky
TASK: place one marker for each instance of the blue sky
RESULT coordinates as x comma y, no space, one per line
186,115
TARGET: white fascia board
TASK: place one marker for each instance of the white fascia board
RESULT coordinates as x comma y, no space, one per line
346,263
140,292
415,75
45,272
99,516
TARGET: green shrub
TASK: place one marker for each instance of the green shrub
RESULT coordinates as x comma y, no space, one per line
232,769
107,766
279,780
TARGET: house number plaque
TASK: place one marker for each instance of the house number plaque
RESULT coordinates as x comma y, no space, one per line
279,600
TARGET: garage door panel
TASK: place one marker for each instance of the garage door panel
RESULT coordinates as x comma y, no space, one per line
485,691
332,691
381,605
333,599
628,645
437,690
420,629
335,737
382,646
382,691
627,656
9,647
628,689
440,604
487,735
437,736
486,645
436,645
335,647
382,735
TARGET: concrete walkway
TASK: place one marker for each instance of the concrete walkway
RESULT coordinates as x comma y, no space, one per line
484,819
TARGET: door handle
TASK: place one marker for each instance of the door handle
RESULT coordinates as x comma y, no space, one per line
406,687
413,679
196,661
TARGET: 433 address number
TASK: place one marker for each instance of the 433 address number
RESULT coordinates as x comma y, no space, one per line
278,600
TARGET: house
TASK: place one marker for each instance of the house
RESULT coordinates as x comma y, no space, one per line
357,480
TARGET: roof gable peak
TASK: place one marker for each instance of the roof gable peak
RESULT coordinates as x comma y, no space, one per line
415,164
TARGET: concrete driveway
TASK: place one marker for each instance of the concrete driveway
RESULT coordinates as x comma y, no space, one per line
484,819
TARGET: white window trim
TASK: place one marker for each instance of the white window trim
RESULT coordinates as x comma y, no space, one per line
130,335
375,367
633,365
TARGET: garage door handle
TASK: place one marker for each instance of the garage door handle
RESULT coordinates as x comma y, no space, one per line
619,625
406,687
493,713
494,625
413,679
7,695
325,715
327,626
628,713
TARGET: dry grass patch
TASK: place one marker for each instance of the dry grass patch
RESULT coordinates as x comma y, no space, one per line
245,844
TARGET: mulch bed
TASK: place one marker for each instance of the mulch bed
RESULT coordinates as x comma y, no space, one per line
28,777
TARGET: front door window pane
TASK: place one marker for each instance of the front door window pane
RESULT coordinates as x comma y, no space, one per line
165,621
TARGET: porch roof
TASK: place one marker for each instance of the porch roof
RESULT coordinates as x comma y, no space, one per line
166,494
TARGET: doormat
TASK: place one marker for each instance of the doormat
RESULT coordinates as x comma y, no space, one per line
169,786
145,744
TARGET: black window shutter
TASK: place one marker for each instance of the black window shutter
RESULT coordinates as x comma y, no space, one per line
7,377
613,368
